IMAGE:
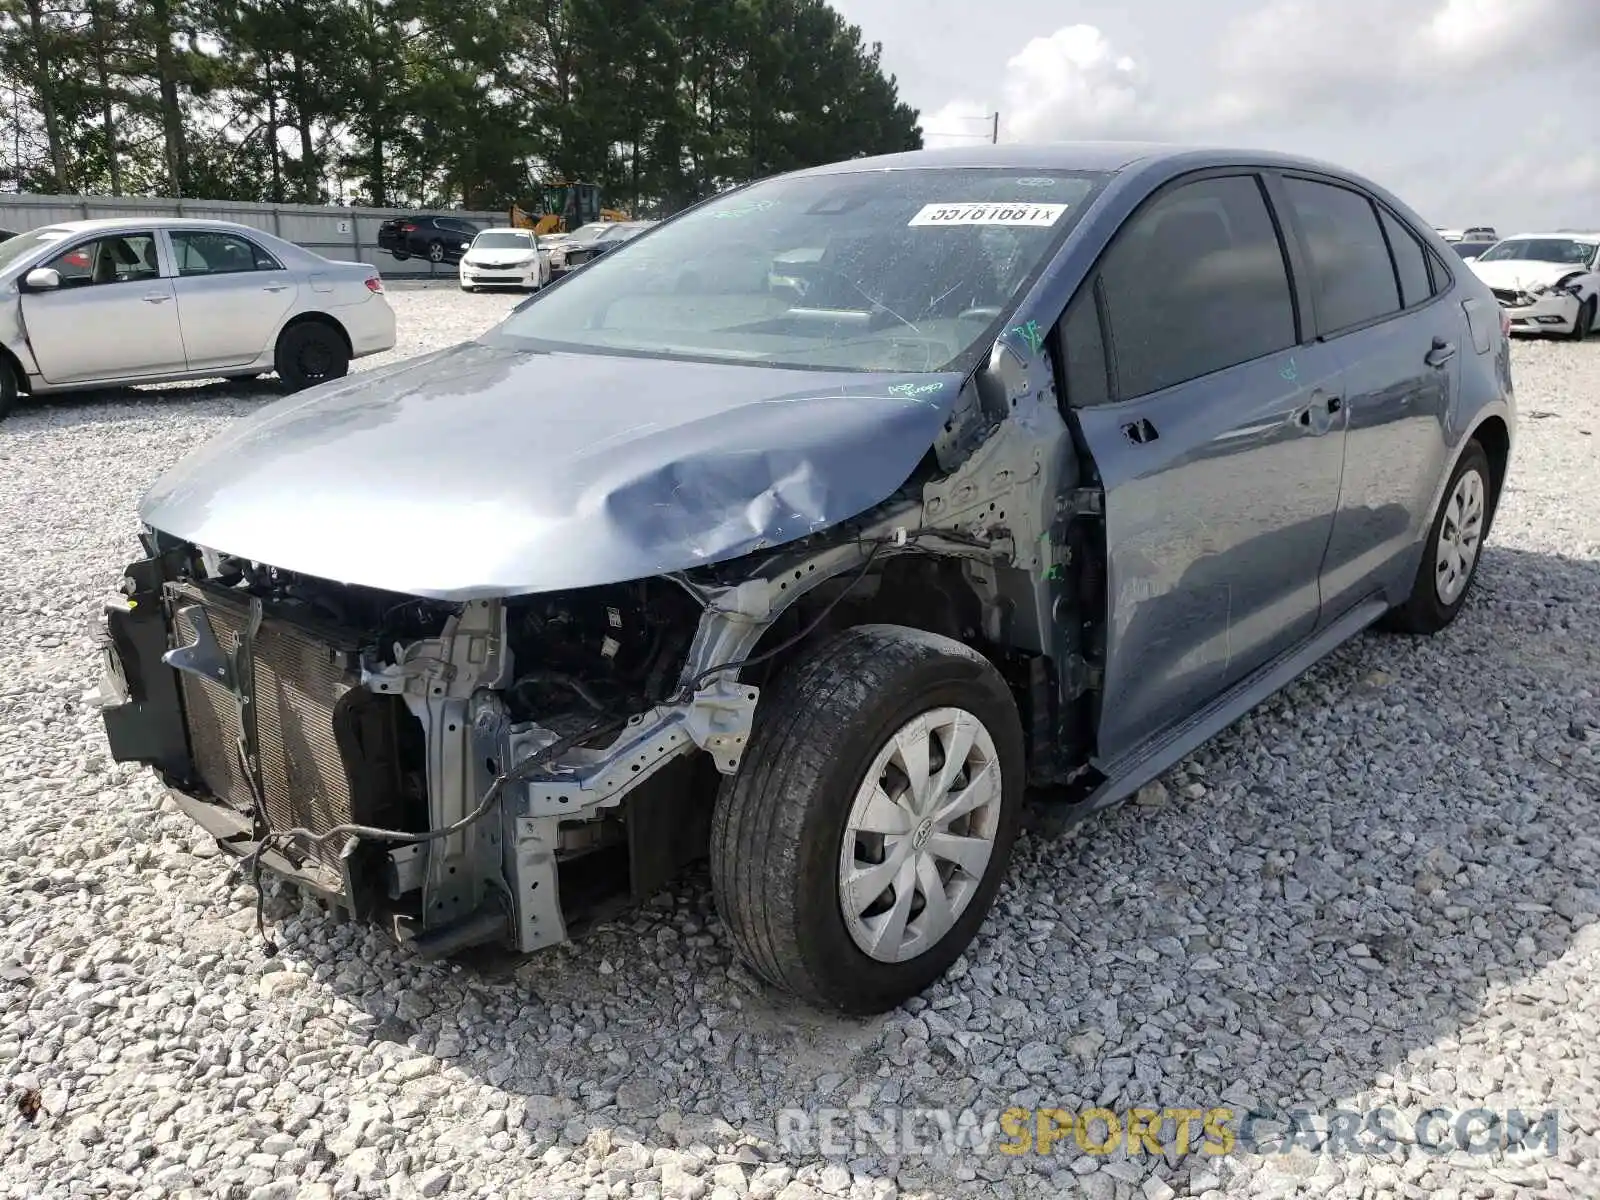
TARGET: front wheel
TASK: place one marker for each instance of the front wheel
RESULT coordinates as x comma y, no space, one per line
310,353
1450,558
10,389
861,843
1585,322
436,252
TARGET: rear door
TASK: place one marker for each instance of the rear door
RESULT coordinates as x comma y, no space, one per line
1217,431
232,296
1378,298
113,317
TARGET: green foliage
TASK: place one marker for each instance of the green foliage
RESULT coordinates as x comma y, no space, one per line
433,102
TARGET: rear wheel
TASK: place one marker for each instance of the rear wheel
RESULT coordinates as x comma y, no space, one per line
861,843
1450,558
310,353
1585,322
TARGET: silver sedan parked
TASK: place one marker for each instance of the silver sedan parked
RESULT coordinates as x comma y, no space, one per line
94,303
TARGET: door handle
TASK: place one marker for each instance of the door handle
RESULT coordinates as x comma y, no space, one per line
157,297
1441,353
1307,416
275,287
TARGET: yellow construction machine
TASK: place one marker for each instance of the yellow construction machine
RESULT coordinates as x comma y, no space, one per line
563,206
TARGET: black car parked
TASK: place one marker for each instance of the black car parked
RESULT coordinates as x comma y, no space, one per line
438,239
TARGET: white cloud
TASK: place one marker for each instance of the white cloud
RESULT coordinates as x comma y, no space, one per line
1071,84
1362,56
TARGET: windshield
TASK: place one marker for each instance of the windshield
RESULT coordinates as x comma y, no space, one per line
590,233
24,244
871,271
1565,251
503,239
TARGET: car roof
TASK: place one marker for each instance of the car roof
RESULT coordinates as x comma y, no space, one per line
112,224
1072,156
504,229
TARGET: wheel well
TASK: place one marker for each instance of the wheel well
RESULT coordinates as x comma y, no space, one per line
318,318
1495,439
918,591
925,592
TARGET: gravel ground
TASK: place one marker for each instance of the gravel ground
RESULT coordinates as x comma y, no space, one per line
1377,890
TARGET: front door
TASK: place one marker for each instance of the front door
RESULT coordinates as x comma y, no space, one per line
232,295
113,317
1219,440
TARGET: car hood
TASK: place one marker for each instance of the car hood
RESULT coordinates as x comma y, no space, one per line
499,256
484,470
1523,273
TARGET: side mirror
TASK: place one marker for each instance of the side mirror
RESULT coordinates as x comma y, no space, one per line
42,279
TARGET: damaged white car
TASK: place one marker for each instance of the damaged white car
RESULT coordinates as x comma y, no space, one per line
1546,282
804,531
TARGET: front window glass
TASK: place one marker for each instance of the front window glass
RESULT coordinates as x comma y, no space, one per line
1566,251
873,271
503,239
115,258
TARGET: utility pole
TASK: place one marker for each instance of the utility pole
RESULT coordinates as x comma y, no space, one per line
994,138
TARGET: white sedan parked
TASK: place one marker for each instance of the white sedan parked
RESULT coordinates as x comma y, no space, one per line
1546,282
94,303
505,258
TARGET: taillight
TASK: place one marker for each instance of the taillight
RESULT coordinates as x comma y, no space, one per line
408,228
1505,323
374,285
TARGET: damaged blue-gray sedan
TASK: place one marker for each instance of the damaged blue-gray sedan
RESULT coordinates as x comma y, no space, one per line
806,531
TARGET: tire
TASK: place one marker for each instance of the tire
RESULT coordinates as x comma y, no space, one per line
400,255
10,389
1432,605
436,252
1585,321
467,287
778,839
310,353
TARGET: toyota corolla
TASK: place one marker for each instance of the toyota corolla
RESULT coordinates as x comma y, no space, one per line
805,531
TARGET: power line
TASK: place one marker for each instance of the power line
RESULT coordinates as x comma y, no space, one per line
993,135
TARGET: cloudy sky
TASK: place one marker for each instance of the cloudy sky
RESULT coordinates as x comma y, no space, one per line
1473,111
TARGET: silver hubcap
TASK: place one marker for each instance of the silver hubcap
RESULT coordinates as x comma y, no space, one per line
920,834
1459,538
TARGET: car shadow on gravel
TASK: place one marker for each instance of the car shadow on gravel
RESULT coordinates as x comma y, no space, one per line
1357,890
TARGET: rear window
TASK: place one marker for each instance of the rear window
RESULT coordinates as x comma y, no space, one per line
1353,275
874,271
